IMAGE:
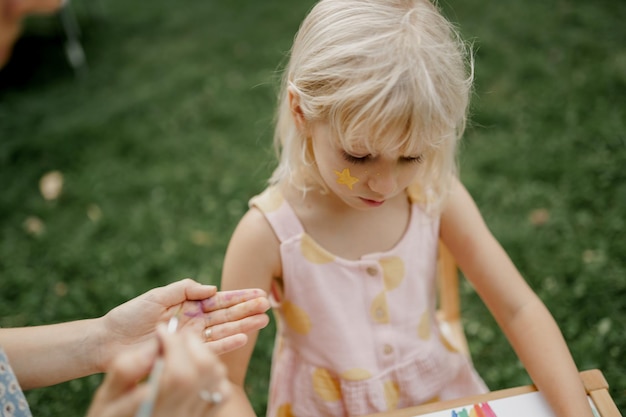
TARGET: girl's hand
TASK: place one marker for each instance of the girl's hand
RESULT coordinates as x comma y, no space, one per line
218,318
192,376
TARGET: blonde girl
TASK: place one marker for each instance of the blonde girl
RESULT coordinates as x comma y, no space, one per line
373,102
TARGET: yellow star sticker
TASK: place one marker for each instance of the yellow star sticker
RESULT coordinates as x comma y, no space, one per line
345,178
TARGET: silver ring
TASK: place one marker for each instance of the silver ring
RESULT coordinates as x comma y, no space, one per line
212,397
207,333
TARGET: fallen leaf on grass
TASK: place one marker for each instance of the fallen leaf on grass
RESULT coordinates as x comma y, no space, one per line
591,256
539,217
51,185
34,226
94,213
200,238
60,289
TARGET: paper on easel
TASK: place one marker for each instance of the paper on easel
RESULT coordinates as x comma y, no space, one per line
532,404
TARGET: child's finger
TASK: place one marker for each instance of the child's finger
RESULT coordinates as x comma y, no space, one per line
225,299
228,343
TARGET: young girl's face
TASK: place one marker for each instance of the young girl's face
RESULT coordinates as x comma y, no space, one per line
361,179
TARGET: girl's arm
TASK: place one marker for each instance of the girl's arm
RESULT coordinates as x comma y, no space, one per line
47,355
252,258
522,316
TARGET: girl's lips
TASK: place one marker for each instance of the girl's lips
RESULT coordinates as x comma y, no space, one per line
372,203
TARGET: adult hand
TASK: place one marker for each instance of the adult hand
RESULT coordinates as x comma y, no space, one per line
224,317
193,382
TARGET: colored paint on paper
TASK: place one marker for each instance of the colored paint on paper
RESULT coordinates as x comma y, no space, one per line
487,410
477,410
463,413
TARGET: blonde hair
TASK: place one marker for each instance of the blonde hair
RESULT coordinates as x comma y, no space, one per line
389,74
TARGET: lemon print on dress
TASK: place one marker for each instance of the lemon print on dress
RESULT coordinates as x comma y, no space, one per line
296,318
269,201
423,328
284,411
313,252
326,386
379,309
433,400
356,374
392,395
393,272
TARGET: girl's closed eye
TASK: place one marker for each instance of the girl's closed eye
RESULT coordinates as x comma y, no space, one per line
354,159
363,159
413,159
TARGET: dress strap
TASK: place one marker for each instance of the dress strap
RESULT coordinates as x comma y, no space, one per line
278,213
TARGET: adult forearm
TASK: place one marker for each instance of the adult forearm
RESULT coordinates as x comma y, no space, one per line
541,347
47,355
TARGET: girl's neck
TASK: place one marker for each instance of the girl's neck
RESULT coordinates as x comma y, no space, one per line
346,231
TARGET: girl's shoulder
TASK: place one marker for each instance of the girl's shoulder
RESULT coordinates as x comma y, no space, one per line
267,201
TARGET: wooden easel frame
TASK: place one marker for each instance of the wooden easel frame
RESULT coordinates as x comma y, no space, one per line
594,382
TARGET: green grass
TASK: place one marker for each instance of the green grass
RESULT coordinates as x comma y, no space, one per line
169,135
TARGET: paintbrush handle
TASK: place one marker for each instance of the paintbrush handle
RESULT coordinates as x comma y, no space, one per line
145,410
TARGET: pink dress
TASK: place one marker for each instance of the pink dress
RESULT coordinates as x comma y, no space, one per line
356,337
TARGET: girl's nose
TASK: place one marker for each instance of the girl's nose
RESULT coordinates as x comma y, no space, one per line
383,181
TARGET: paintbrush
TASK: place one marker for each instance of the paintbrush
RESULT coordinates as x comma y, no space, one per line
146,407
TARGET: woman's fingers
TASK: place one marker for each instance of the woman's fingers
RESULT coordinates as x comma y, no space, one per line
124,406
215,387
171,295
128,368
194,380
120,395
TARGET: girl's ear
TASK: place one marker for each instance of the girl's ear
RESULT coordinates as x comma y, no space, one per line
296,111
